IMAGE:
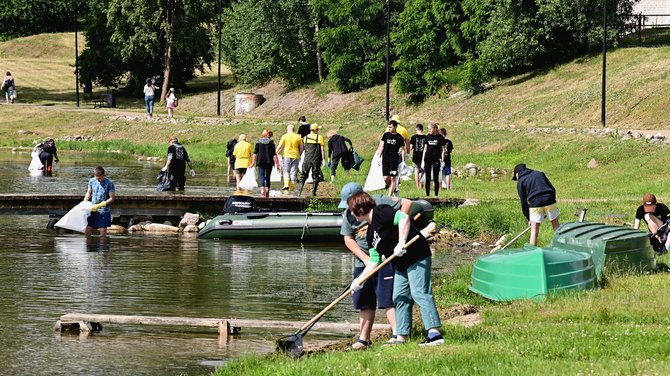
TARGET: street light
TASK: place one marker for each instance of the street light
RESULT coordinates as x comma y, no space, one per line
602,100
388,55
218,95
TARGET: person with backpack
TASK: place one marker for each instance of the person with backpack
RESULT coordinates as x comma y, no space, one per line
337,150
48,153
230,147
177,159
9,87
172,102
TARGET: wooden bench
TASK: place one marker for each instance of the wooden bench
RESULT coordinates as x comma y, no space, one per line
103,101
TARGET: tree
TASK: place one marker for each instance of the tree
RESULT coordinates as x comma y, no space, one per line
265,39
28,17
137,39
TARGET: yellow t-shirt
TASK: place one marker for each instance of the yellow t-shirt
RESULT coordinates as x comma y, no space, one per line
403,132
310,139
242,153
291,142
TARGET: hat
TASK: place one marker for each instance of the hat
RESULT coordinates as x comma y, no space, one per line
517,169
314,126
649,200
171,89
395,118
348,190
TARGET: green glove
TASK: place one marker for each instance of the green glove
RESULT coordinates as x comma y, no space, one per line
98,206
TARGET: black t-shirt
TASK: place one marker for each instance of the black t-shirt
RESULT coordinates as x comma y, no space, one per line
48,147
662,212
392,144
304,130
383,236
265,151
449,146
434,144
179,158
417,141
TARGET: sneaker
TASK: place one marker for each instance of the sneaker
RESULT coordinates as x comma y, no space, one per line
433,341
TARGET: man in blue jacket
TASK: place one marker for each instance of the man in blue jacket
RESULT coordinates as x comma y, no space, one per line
538,198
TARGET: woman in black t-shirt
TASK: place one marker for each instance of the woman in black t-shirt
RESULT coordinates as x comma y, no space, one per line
416,146
433,154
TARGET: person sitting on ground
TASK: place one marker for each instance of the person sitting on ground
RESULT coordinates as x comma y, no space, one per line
378,290
242,154
265,156
177,158
392,150
655,215
337,150
388,232
416,145
291,144
102,193
48,154
538,199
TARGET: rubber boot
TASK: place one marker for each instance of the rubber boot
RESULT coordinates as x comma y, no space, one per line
301,185
287,183
291,185
315,185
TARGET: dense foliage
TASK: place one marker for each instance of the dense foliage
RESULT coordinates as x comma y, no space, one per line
27,17
128,40
263,39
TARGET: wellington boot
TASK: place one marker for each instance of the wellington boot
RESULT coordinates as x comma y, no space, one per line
291,186
287,183
301,185
315,186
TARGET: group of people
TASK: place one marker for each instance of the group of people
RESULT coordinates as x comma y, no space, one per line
171,100
9,87
305,148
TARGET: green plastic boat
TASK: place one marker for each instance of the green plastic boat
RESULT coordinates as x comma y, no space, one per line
612,247
531,273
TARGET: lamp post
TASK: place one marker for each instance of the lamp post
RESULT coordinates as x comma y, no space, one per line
603,90
76,63
218,94
388,56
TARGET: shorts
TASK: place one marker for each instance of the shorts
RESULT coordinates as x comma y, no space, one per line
100,220
390,168
377,291
241,170
537,215
446,170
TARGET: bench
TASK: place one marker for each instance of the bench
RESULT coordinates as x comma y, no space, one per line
101,102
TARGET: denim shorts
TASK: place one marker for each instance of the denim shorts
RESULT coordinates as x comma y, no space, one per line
100,220
377,291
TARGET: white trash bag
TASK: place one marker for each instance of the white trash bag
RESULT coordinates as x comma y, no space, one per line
77,218
249,179
35,163
275,176
375,179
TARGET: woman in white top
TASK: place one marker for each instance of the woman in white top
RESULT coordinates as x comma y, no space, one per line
171,99
149,96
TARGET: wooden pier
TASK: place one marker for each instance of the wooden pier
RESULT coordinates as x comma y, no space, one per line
87,323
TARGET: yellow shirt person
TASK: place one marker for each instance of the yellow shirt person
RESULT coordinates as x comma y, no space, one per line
242,152
290,143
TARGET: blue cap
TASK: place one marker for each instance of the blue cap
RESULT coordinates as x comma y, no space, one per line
348,190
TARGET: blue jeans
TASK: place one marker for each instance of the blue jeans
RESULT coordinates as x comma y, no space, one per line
414,285
149,100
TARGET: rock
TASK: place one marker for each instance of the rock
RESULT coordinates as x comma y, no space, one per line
470,165
475,244
592,163
501,241
189,219
140,159
626,137
159,227
136,228
659,136
648,137
469,202
202,225
190,228
14,150
472,171
116,229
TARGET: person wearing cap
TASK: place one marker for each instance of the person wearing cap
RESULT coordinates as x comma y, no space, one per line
315,158
291,144
390,233
655,214
242,153
377,292
177,158
401,130
171,102
48,153
392,150
538,199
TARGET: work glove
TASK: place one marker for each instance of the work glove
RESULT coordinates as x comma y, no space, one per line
101,205
164,169
192,172
356,285
57,160
423,165
399,249
329,164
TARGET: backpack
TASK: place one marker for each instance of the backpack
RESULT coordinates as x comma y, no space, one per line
230,147
176,101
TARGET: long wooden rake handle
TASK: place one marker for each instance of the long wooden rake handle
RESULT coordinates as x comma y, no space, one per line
316,318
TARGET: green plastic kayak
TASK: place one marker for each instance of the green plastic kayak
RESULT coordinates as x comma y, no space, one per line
531,273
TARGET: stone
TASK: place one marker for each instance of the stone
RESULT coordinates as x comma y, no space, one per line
592,163
189,219
190,228
475,244
472,171
470,165
116,229
202,225
140,159
659,136
469,202
159,227
136,228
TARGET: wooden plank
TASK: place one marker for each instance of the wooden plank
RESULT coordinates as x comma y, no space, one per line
209,322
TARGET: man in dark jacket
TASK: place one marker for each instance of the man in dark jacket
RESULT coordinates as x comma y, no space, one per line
538,198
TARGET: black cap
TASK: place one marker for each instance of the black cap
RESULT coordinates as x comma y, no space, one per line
517,169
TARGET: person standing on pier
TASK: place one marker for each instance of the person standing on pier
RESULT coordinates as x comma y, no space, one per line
177,158
102,193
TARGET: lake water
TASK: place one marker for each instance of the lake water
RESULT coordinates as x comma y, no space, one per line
45,274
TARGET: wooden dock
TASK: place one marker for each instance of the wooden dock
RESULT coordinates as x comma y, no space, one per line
86,323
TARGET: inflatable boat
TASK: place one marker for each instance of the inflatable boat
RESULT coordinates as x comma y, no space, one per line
243,220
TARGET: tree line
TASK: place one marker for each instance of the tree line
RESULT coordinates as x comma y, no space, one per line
434,43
